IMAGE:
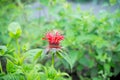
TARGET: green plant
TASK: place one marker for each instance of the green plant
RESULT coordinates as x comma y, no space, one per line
22,65
90,49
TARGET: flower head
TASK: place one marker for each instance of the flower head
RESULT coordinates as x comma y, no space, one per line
54,39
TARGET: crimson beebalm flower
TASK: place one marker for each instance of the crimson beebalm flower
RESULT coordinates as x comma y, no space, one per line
53,39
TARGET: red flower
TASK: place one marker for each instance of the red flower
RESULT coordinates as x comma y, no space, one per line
54,39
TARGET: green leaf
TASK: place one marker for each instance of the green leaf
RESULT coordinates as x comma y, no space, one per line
65,56
37,55
11,58
13,77
117,48
107,68
85,61
3,49
96,78
33,54
33,74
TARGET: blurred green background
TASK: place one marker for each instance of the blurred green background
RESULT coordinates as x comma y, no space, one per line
92,36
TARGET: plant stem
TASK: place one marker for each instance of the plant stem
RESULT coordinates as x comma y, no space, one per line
53,59
18,47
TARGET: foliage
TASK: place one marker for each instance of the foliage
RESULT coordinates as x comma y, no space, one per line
90,49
